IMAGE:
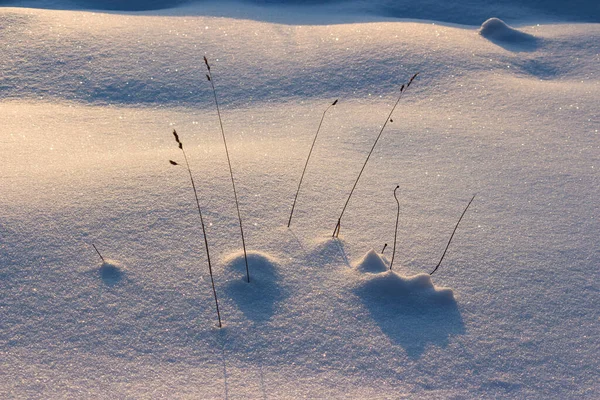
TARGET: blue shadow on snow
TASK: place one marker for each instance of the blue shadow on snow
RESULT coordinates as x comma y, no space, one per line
258,299
110,274
410,311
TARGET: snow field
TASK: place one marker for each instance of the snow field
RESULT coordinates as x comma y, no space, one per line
513,120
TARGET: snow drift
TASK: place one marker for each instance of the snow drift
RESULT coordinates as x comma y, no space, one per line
411,311
499,32
88,104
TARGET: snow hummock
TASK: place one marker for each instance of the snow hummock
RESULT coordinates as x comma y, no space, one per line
497,31
371,262
111,272
384,283
259,298
409,310
261,264
389,286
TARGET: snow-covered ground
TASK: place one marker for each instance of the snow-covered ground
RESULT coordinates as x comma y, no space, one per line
88,102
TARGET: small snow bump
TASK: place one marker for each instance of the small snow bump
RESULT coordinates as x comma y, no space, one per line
393,287
371,262
497,31
259,263
111,273
422,281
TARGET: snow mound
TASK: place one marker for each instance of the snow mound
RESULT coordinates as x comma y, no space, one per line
111,273
495,28
258,299
372,262
261,264
411,311
500,33
327,251
414,290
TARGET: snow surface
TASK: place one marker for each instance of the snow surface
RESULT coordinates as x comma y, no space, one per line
506,108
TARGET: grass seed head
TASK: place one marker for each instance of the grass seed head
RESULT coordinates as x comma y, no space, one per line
177,139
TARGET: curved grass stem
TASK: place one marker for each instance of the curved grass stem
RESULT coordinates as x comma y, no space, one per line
451,236
395,230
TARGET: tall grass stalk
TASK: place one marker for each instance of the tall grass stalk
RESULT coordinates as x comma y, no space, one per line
237,205
451,236
336,231
307,159
212,281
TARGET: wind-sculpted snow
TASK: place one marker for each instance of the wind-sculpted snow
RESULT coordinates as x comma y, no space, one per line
372,262
379,281
304,11
149,61
499,32
411,311
88,103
